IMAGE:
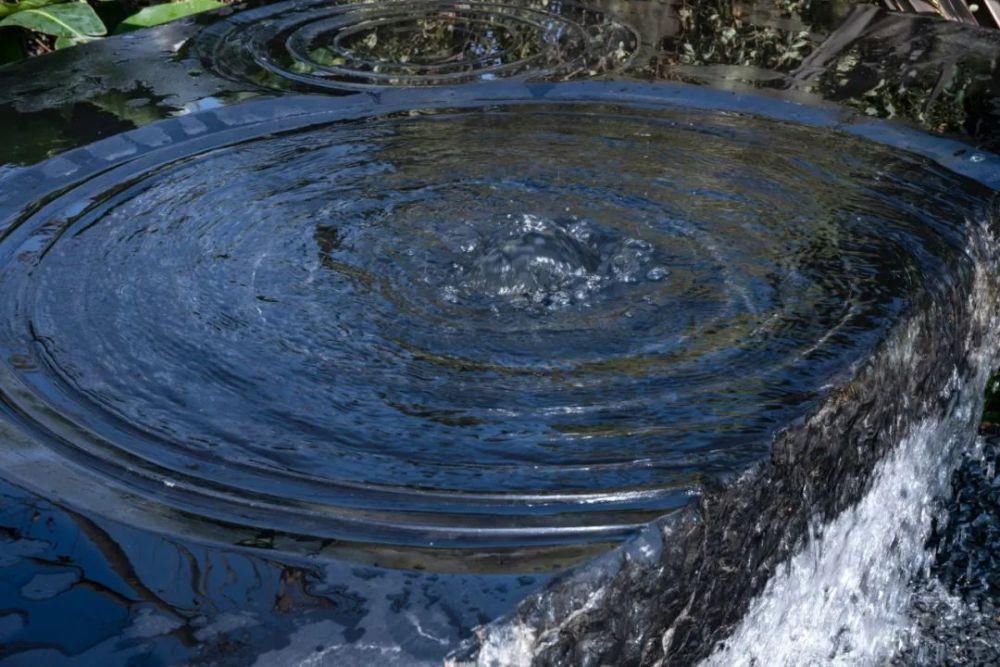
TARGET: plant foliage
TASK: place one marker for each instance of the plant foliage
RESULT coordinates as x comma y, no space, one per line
28,27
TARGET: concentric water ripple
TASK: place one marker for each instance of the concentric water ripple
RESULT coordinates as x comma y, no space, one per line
413,43
514,324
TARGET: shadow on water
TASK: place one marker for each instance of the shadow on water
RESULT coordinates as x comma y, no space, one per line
151,600
339,379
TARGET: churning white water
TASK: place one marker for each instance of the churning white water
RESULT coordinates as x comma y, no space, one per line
844,600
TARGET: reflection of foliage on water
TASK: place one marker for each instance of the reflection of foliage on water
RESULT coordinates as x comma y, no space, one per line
441,39
419,43
888,66
930,97
921,71
427,40
46,132
940,76
721,32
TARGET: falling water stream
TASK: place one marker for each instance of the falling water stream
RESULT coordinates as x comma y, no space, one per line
549,372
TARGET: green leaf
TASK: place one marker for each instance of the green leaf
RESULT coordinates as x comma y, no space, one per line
172,11
12,7
325,57
75,20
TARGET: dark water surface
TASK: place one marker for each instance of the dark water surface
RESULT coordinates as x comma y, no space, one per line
521,325
340,378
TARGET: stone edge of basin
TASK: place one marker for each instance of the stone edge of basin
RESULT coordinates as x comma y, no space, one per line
24,186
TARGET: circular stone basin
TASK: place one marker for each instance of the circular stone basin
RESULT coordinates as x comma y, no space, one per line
453,324
365,45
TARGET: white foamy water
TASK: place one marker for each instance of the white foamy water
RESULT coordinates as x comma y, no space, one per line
513,646
844,600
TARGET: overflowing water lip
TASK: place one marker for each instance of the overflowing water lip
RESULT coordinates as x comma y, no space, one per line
517,257
364,46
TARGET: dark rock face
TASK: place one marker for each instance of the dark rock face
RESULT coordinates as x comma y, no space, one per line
968,543
672,594
955,608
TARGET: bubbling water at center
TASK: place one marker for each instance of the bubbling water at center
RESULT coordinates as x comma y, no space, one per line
532,262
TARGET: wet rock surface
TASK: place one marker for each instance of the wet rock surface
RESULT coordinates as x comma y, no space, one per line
968,542
676,592
955,611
